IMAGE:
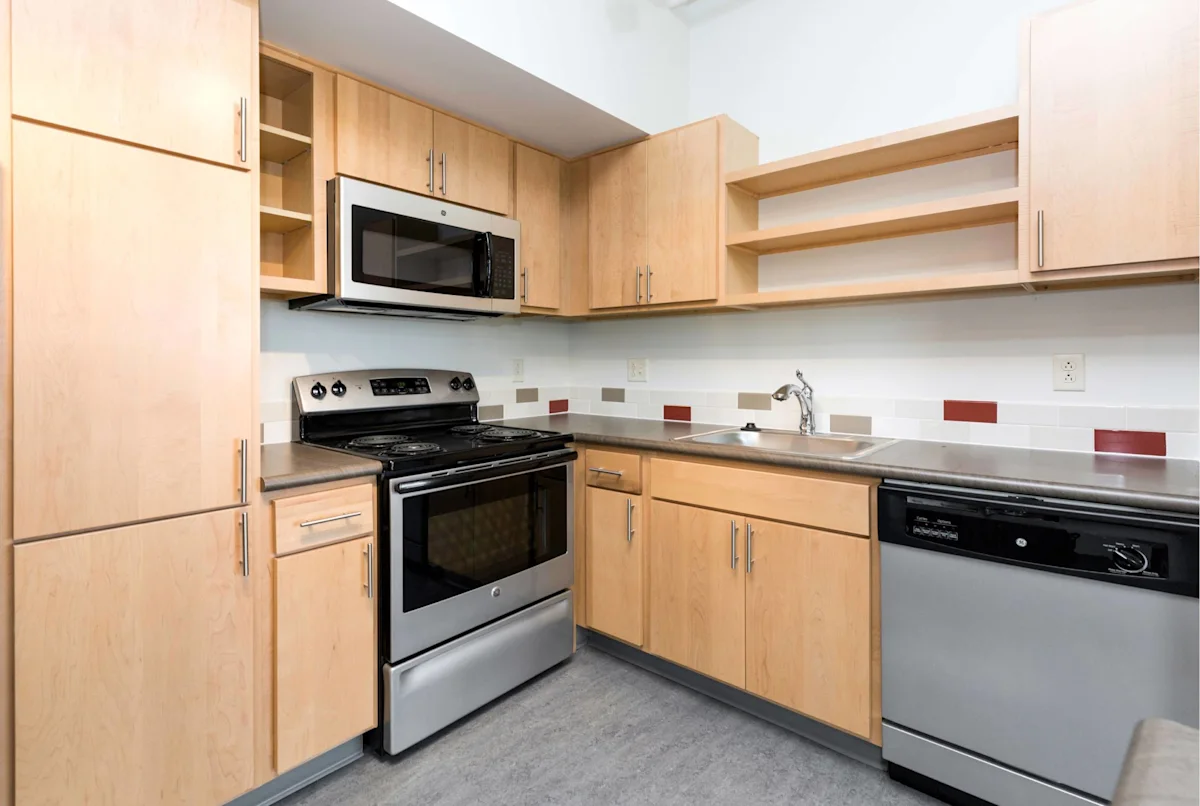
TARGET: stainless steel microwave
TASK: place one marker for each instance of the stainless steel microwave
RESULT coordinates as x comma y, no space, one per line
405,254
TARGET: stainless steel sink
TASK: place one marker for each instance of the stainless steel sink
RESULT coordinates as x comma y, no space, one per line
829,445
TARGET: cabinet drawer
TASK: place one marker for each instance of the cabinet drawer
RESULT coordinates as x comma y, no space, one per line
841,506
614,471
305,521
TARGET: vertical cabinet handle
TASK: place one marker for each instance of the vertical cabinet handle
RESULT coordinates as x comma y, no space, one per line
443,163
649,293
639,285
370,583
1041,239
430,158
242,140
749,547
525,285
245,544
628,520
733,558
242,460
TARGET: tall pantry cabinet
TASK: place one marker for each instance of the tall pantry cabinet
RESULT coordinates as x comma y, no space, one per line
134,319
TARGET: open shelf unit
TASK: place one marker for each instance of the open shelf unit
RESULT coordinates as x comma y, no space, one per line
280,221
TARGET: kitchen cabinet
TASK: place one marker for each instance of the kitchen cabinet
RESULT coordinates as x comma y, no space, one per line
474,165
617,226
133,661
383,138
133,333
1113,104
537,206
808,622
326,651
170,74
615,557
697,590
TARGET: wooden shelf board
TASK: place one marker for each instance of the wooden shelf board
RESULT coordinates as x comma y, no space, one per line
976,210
274,219
279,80
280,145
905,286
276,284
957,138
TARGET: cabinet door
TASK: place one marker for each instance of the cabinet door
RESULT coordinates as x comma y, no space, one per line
617,226
682,215
538,206
133,665
325,653
170,74
698,591
133,286
1114,111
383,138
474,165
808,623
615,552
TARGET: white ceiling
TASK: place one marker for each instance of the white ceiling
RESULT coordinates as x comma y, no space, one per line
694,12
393,47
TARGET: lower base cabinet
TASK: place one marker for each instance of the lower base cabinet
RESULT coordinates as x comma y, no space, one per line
133,665
615,557
326,655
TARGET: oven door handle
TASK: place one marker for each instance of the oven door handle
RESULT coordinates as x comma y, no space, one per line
473,475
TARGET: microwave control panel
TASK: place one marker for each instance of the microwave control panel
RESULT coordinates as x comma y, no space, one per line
504,268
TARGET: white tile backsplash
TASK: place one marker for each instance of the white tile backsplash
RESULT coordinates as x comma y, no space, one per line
919,409
1162,419
1026,414
1009,436
1183,446
1105,417
1062,439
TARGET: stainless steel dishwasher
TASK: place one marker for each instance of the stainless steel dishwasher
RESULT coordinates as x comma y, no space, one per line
1024,638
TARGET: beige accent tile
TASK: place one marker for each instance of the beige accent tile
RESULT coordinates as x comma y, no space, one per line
849,424
527,395
610,394
755,401
491,412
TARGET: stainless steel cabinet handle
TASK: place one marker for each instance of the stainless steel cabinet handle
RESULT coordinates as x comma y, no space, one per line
639,285
245,544
370,583
649,293
242,460
242,151
443,173
606,471
628,520
430,158
749,547
733,558
330,519
1041,239
525,285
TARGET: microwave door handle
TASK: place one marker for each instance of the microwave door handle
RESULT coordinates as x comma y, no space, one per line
487,245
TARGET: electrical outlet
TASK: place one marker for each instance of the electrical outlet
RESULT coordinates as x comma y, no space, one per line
1068,372
638,370
518,370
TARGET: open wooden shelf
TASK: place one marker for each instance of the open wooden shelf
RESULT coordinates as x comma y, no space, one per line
275,219
977,210
954,139
289,286
280,145
905,286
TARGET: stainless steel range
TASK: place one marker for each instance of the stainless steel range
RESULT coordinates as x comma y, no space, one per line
476,540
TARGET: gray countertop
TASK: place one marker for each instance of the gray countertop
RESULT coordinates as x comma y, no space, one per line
290,464
1139,481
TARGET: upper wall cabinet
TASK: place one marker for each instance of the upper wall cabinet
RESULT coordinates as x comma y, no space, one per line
171,74
474,165
537,206
617,226
1114,116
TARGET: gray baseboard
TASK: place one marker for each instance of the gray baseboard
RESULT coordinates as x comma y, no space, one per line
852,746
296,779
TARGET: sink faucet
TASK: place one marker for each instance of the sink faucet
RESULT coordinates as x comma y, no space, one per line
804,394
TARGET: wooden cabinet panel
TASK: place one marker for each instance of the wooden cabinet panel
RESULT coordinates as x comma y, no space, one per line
1114,114
325,652
474,165
615,553
614,471
808,623
330,515
681,206
133,655
169,74
382,137
617,226
697,590
537,207
133,287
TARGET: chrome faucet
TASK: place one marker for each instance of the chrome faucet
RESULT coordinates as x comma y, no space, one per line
804,394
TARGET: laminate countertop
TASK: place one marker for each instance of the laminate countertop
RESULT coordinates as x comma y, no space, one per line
1160,768
1137,481
290,464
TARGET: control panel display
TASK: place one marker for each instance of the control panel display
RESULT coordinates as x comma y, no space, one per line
399,386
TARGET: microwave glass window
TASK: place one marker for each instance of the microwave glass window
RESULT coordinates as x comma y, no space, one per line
402,252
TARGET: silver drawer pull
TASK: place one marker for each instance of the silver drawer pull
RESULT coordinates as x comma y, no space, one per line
319,521
606,471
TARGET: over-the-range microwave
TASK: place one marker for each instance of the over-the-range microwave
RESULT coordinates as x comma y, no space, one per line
406,254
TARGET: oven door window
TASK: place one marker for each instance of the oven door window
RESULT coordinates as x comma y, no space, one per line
398,251
462,538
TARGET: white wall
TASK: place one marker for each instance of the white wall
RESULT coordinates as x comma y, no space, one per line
627,57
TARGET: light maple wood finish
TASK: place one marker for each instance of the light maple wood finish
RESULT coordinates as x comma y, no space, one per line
617,225
277,219
808,623
574,223
905,287
615,575
134,354
681,214
822,502
697,597
280,145
294,510
326,675
1113,126
478,165
579,482
382,137
737,270
538,207
71,66
628,465
134,655
957,138
6,390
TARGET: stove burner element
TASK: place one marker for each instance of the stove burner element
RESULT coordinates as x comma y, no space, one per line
474,428
507,434
378,441
412,449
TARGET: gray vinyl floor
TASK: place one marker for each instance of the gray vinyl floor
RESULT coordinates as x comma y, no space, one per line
597,730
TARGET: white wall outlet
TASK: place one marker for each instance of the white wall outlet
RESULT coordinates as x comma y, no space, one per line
638,370
1068,372
518,370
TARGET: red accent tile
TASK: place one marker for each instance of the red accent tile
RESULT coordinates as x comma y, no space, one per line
683,413
558,406
969,411
1147,443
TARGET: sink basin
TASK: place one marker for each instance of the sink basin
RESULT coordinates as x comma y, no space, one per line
830,445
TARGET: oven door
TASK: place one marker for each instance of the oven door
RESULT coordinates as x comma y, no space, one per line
469,547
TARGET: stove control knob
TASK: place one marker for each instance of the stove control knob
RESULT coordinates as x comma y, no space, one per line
455,384
338,388
318,390
1129,561
468,383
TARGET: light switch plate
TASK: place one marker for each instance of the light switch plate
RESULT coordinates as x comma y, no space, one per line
638,370
518,370
1068,372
